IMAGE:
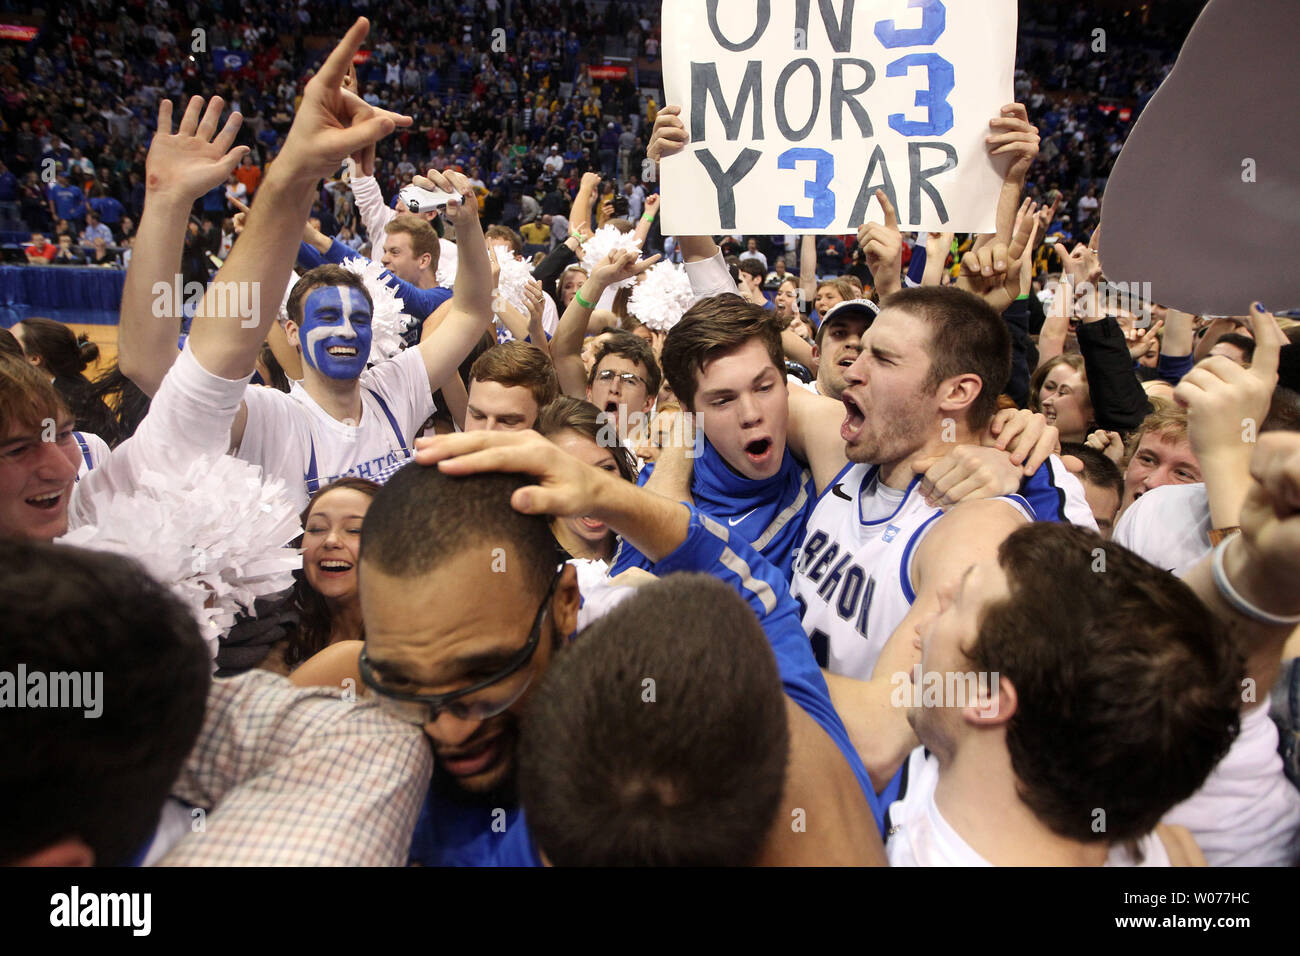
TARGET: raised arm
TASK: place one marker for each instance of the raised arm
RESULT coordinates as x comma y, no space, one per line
580,211
179,168
882,245
647,220
566,344
330,125
1226,406
471,304
808,267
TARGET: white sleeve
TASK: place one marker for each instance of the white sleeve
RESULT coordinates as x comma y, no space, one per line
190,417
403,383
1168,526
711,277
370,207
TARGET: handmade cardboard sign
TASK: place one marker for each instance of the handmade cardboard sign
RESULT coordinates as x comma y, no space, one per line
1203,204
798,110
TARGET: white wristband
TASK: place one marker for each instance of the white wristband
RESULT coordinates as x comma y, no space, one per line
1239,603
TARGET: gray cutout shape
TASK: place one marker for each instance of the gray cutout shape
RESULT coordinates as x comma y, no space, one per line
1176,211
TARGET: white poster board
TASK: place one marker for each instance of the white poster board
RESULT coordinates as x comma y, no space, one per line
799,109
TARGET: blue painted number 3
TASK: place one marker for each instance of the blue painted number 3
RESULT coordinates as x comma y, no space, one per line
934,97
818,190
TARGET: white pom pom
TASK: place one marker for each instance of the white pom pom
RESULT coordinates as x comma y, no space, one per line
388,321
216,535
606,240
661,298
515,273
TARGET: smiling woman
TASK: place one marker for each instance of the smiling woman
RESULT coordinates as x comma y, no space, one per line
324,598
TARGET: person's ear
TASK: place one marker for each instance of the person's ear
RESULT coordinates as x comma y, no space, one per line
996,701
959,392
567,598
816,353
291,333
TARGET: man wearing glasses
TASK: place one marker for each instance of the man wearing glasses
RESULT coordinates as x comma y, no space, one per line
624,381
466,602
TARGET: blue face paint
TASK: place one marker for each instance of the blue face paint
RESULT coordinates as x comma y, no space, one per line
338,318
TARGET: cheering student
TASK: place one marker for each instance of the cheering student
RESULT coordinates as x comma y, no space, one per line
342,419
509,385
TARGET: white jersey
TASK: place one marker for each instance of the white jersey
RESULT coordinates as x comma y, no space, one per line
293,438
918,835
1246,813
852,576
1168,526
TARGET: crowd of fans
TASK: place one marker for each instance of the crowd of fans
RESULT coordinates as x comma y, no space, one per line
615,560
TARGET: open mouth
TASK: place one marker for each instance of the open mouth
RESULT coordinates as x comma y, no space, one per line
758,449
611,406
469,763
591,524
342,351
46,502
854,419
334,567
847,361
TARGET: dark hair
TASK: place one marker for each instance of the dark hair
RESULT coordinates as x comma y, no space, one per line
687,770
967,336
634,349
314,619
422,518
104,779
1126,702
127,402
9,345
1097,468
518,364
753,267
326,276
710,329
1243,342
573,414
274,370
1283,411
63,353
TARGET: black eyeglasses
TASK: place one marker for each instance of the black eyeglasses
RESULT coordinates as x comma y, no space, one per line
628,378
421,709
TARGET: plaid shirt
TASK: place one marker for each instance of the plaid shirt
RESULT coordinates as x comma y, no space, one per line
300,777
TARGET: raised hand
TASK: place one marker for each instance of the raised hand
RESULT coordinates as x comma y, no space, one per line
993,271
1015,136
332,122
459,211
620,265
1110,444
651,206
669,134
196,158
1140,340
882,246
566,486
1264,561
1226,404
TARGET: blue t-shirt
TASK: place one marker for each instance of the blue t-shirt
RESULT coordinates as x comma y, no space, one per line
712,548
769,513
69,202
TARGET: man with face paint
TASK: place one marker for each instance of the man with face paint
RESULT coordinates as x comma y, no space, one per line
410,259
341,419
